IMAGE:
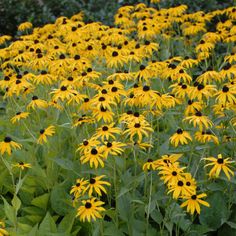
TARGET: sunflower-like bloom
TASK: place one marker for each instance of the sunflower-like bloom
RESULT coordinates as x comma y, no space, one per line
3,232
150,164
107,131
206,136
181,137
19,116
78,189
192,107
115,59
169,160
113,148
90,210
141,128
22,165
87,144
180,188
25,26
219,164
63,93
96,185
199,120
7,145
200,91
94,156
36,102
193,203
49,131
171,174
227,94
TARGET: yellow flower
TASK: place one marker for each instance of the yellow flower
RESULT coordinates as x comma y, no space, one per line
140,128
25,26
78,189
96,185
113,148
19,116
193,203
7,145
199,120
227,94
219,164
3,232
49,131
180,188
150,165
107,131
94,156
206,136
90,210
171,174
22,165
181,137
36,102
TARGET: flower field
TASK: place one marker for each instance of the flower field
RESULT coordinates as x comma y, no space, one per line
123,130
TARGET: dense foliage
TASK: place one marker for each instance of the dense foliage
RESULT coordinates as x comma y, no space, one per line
40,12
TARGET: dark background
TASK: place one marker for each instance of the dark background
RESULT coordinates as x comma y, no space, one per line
40,12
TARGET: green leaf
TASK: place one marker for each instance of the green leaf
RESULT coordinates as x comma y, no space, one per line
16,203
33,231
231,224
60,200
217,213
157,216
9,211
64,163
24,228
47,226
41,201
67,222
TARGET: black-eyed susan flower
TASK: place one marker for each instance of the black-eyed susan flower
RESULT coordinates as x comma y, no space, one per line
107,131
201,91
3,231
227,94
63,93
96,185
24,26
49,131
22,165
87,144
105,114
37,103
113,148
138,129
90,210
198,119
180,188
168,160
94,156
206,136
181,136
150,164
18,116
219,164
78,189
8,144
192,107
171,174
193,203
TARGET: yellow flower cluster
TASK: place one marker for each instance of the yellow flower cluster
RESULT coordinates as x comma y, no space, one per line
115,83
181,184
89,209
